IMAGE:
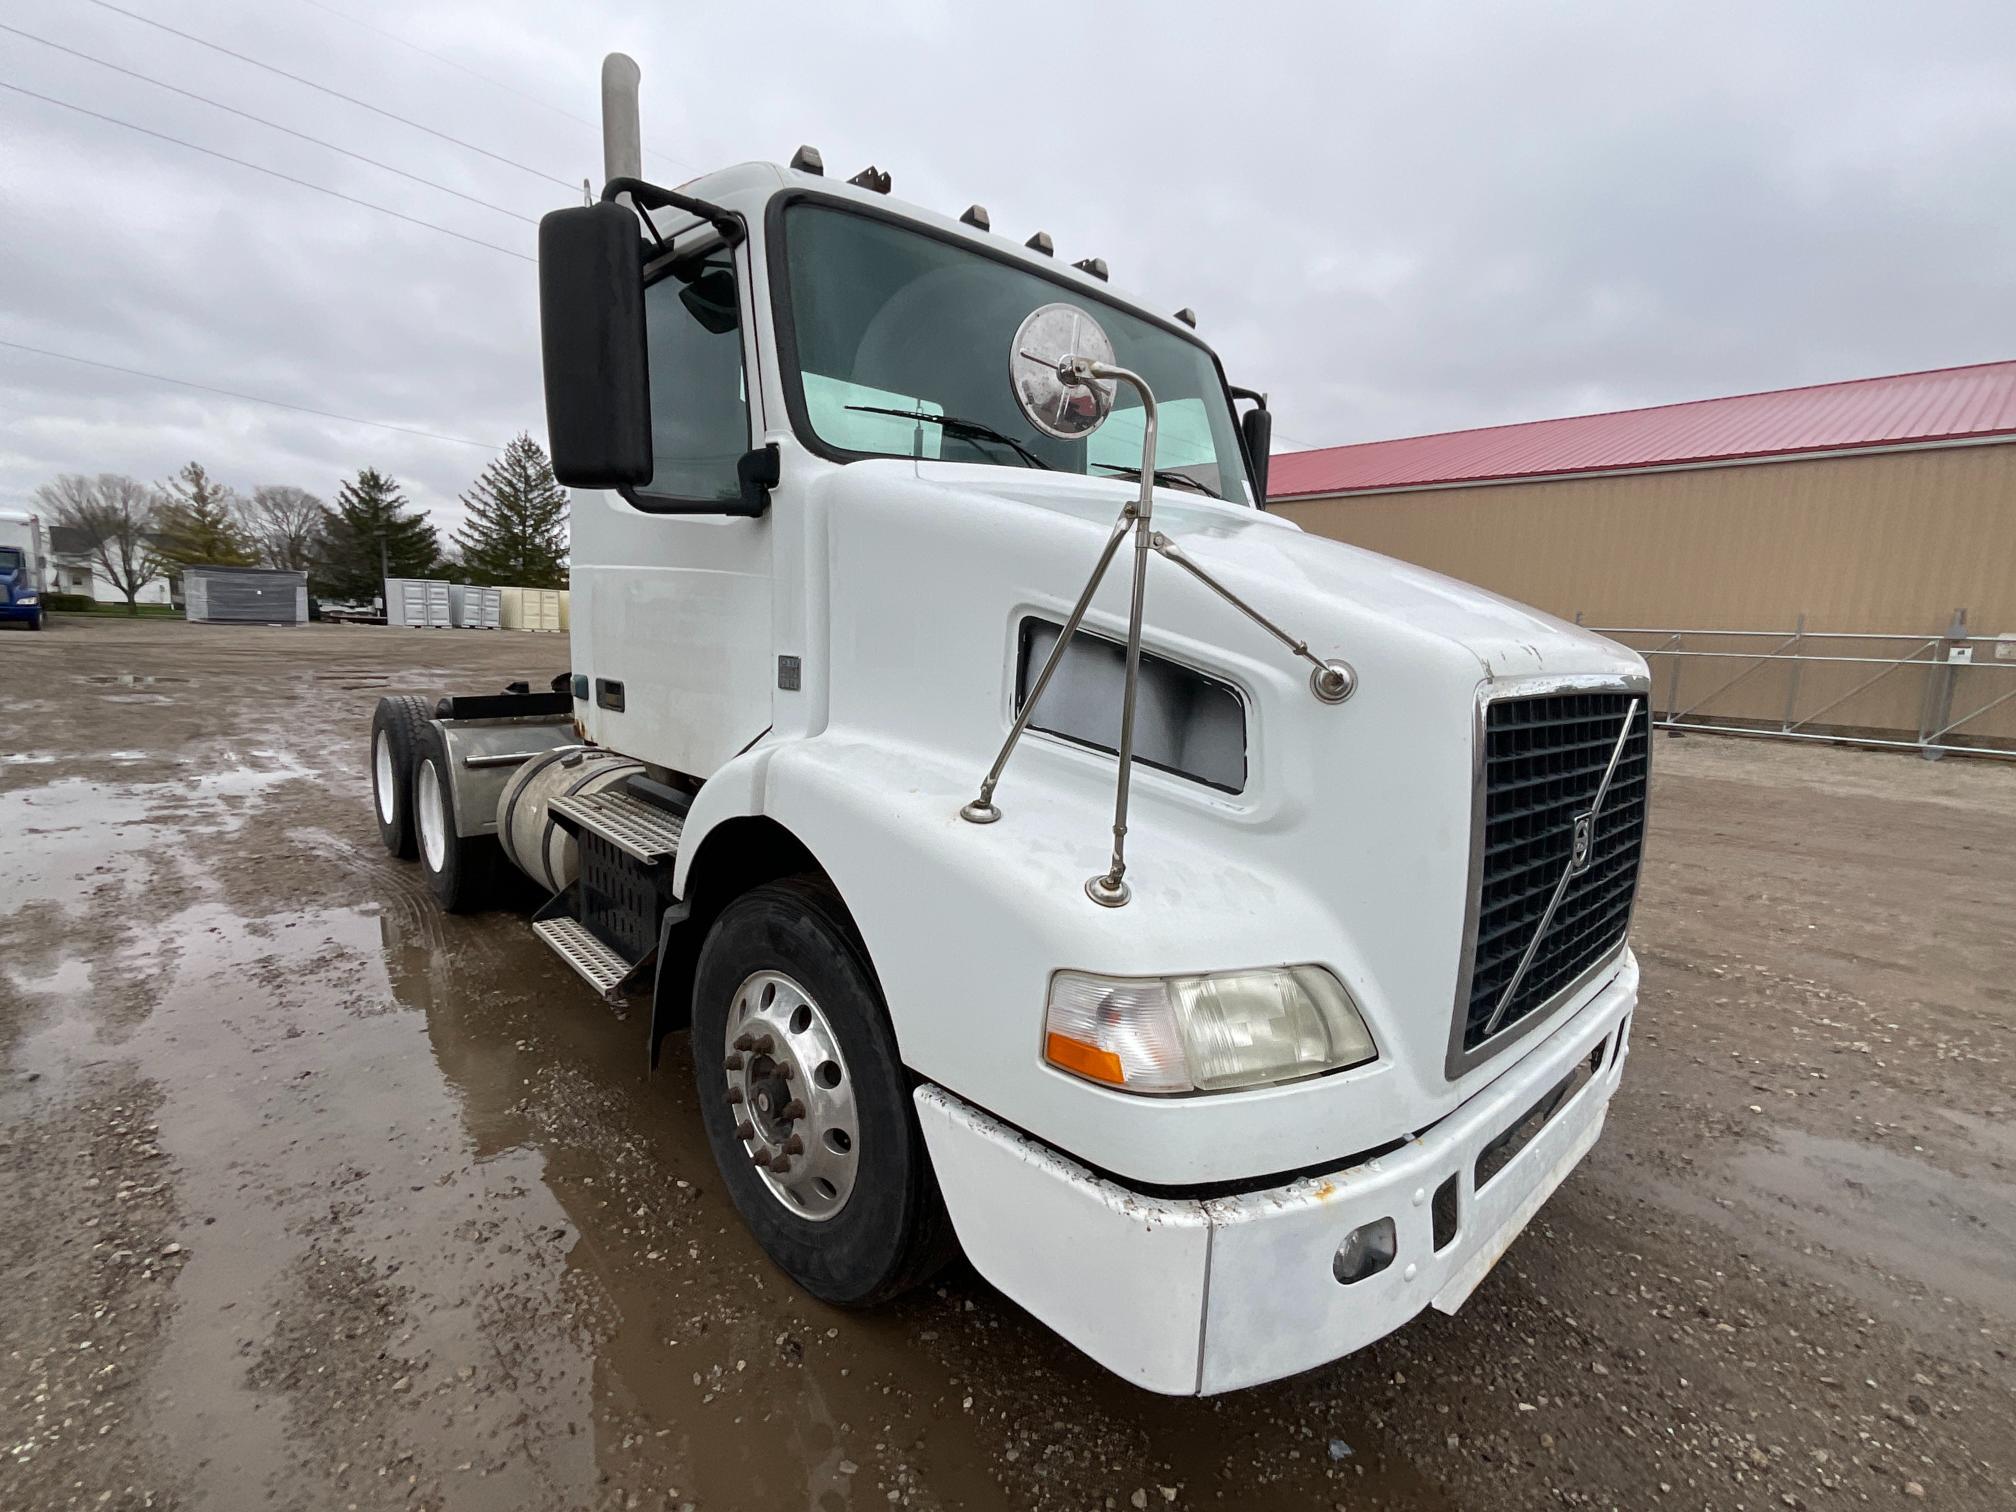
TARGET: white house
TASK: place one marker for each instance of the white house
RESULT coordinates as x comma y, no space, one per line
72,570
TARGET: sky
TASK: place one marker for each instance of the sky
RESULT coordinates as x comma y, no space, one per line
1394,219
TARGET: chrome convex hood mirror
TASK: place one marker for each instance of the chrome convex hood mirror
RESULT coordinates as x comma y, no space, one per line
1051,336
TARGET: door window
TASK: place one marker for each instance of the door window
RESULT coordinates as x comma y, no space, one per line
699,401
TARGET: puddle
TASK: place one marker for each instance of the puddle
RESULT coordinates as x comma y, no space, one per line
1951,1235
74,834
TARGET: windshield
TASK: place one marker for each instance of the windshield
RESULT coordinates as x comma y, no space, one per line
10,559
886,318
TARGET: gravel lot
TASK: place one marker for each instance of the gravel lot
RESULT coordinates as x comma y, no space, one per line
311,1197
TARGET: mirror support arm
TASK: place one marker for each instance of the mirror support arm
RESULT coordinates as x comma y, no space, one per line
648,196
1109,888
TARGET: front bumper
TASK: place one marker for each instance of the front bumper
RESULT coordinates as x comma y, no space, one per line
1188,1296
10,611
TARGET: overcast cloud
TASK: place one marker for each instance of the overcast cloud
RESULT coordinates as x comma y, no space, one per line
1395,219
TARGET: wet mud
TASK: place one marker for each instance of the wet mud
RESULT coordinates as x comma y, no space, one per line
313,1197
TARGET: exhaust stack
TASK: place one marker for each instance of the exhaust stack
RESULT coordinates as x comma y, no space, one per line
622,133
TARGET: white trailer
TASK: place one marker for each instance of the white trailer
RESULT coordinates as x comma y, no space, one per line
1217,932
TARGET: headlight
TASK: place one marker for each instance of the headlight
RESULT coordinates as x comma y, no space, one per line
1213,1033
29,598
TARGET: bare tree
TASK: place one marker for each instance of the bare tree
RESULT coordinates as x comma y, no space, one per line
118,517
283,523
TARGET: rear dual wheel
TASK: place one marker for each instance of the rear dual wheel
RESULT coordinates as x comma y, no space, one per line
461,870
805,1101
395,741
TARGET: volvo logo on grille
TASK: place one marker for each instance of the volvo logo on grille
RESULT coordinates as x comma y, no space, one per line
1585,829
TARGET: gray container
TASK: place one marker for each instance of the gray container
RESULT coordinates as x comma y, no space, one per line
245,596
474,607
419,603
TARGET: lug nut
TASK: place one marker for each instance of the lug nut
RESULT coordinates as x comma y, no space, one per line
745,1042
765,1044
793,1110
794,1146
734,1094
745,1130
784,1069
780,1164
733,1063
759,1158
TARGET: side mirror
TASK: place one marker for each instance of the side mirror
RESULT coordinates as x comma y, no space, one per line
1257,427
591,336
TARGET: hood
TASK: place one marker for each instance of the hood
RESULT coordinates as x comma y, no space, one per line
1309,583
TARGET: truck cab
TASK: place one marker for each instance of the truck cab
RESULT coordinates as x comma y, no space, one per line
1222,1080
23,555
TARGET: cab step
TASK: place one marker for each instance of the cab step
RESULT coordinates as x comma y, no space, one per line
641,830
598,965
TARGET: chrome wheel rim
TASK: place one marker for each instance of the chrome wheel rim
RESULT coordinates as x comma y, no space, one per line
381,776
432,817
791,1095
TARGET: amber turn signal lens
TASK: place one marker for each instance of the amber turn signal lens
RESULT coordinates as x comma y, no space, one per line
1086,1060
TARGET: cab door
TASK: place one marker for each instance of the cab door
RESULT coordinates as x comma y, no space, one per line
678,644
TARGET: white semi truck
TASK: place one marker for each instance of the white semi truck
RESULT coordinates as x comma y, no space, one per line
24,560
1218,933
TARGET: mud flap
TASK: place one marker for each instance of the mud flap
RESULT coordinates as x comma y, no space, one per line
672,987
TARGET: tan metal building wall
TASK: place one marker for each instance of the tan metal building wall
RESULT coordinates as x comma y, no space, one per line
1891,541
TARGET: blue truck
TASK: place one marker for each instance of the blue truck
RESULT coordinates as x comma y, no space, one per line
22,557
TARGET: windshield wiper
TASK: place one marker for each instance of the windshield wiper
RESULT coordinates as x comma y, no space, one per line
1164,475
967,430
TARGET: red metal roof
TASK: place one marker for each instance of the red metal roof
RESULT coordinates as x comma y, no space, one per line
1942,405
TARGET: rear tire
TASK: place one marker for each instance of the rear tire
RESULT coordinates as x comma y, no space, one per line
888,1231
461,870
395,737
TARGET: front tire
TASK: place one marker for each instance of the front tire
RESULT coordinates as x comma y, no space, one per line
461,870
805,1101
395,737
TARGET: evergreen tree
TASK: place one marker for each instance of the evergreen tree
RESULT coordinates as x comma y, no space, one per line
200,524
517,529
373,533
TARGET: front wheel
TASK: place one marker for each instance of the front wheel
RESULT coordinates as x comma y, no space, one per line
805,1101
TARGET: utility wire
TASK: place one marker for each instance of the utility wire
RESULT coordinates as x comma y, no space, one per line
570,187
461,67
271,172
261,120
113,367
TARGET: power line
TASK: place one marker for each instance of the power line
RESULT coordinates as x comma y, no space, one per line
271,172
461,67
113,367
261,120
572,188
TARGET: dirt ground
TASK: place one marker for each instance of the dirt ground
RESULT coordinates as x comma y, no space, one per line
312,1197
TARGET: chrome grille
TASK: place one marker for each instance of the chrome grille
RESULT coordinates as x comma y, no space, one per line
1544,760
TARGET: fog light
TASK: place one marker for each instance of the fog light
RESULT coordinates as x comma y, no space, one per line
1366,1251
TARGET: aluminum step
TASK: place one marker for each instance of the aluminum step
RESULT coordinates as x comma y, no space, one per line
636,828
598,965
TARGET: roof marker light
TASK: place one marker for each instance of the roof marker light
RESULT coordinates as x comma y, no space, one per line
976,216
1188,316
874,180
1096,266
1041,242
807,160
